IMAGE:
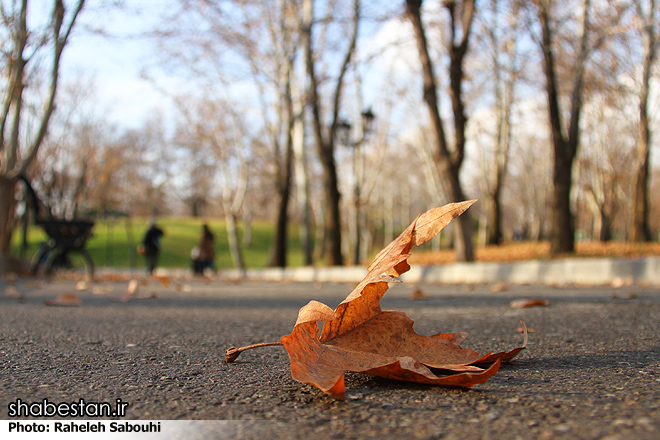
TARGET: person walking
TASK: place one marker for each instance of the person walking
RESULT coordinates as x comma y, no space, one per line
151,244
204,252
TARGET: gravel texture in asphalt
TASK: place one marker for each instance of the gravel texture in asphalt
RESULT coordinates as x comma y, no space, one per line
591,370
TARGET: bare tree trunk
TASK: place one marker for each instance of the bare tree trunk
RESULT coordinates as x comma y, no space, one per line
319,231
605,227
279,248
562,239
13,163
602,224
448,162
389,214
562,222
640,223
278,256
561,218
13,104
7,218
232,236
233,197
494,220
299,151
302,184
80,188
247,227
333,235
504,90
326,146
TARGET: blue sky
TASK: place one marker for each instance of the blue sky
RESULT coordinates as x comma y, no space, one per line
116,61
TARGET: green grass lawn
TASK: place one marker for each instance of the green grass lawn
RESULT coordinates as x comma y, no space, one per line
114,241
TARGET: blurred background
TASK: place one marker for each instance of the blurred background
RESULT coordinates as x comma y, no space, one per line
313,132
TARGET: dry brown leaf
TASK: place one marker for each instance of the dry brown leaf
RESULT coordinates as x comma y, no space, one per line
417,294
358,336
627,296
131,292
101,290
133,287
13,292
122,299
499,287
113,277
523,303
621,282
64,299
163,280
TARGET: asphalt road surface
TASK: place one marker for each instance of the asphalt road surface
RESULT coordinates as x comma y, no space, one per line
591,370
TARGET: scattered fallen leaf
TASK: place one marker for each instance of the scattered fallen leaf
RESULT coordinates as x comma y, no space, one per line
64,299
82,285
113,277
621,282
13,292
183,288
101,290
133,287
131,292
358,336
163,280
417,294
122,299
499,287
628,296
522,303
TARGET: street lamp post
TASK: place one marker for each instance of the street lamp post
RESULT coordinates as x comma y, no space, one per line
345,136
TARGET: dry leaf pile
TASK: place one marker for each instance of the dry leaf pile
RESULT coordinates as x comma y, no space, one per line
358,336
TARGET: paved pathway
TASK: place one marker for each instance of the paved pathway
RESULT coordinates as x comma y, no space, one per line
591,371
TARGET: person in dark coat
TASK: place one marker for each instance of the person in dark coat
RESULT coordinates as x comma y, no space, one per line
204,253
151,246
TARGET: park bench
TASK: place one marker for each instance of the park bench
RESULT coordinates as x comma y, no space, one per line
64,250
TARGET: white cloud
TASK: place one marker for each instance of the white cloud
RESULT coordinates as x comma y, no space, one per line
392,49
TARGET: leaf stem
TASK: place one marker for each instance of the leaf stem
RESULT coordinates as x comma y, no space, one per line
232,353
